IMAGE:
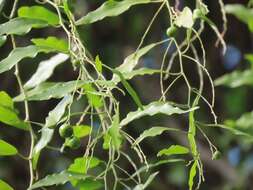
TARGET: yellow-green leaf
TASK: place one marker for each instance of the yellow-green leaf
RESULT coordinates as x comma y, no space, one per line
5,186
174,149
7,149
81,130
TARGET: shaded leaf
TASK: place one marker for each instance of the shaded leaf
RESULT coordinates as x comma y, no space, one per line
58,179
82,164
245,121
5,186
185,18
45,70
152,132
39,13
93,98
89,184
2,40
2,3
109,9
236,79
21,26
7,149
51,43
56,114
81,130
153,109
173,149
48,90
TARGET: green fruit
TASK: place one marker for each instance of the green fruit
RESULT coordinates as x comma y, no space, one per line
73,142
171,31
65,131
216,155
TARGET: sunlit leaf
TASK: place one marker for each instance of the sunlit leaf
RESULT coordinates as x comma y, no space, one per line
45,138
45,70
193,172
7,149
48,90
153,109
82,164
5,186
21,26
236,79
58,179
99,64
173,149
51,43
81,130
93,98
8,114
245,121
152,132
40,13
109,9
185,18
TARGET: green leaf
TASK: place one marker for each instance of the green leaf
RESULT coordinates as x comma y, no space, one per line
5,186
242,13
45,70
88,184
56,114
2,3
173,149
153,109
114,131
58,179
46,137
81,130
148,181
82,164
39,13
245,121
193,172
2,40
94,100
140,72
185,18
51,43
17,55
109,9
152,132
7,149
48,90
20,26
236,79
98,64
8,114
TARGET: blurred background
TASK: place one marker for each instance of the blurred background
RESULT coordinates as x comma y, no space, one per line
115,38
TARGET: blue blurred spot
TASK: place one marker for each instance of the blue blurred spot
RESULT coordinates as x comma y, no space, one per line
234,156
149,62
232,57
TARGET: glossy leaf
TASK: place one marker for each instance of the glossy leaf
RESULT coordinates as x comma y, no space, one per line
185,18
81,131
46,137
48,90
173,149
236,79
45,70
51,43
58,179
39,13
7,149
21,26
2,40
17,55
109,9
56,114
82,164
5,186
193,172
152,132
153,109
93,98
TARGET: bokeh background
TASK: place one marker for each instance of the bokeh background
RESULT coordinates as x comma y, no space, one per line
115,38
